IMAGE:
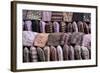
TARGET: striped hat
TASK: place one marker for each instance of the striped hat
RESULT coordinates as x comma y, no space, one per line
33,54
26,55
85,52
53,53
59,53
47,53
77,50
71,53
41,55
65,52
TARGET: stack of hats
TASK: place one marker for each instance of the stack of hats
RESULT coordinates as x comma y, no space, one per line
55,46
50,27
56,36
58,53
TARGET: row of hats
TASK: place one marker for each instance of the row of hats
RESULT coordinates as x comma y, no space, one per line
30,38
55,16
49,27
51,53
